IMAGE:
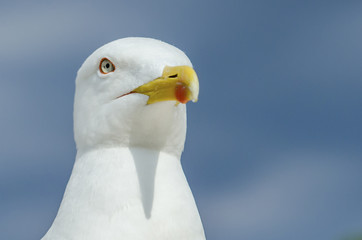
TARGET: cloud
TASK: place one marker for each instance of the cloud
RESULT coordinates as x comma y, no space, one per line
55,30
287,200
39,29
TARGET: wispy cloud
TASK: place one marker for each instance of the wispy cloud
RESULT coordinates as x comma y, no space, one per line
39,29
287,201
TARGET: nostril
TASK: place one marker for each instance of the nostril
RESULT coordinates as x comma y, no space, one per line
173,76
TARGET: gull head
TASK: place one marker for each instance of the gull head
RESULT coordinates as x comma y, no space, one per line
132,93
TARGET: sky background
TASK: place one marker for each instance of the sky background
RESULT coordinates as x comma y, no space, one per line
273,149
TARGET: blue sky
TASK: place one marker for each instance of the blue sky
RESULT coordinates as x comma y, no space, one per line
273,149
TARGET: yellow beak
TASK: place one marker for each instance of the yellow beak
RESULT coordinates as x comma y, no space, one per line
178,83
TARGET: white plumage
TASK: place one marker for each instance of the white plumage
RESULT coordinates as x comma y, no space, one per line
127,182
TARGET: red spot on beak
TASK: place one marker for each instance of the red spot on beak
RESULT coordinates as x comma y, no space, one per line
181,93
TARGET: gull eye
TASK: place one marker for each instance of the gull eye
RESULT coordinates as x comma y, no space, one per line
106,66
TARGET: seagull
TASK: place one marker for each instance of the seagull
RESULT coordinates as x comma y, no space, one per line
127,182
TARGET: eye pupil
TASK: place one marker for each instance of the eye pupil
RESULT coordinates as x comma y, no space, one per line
107,65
